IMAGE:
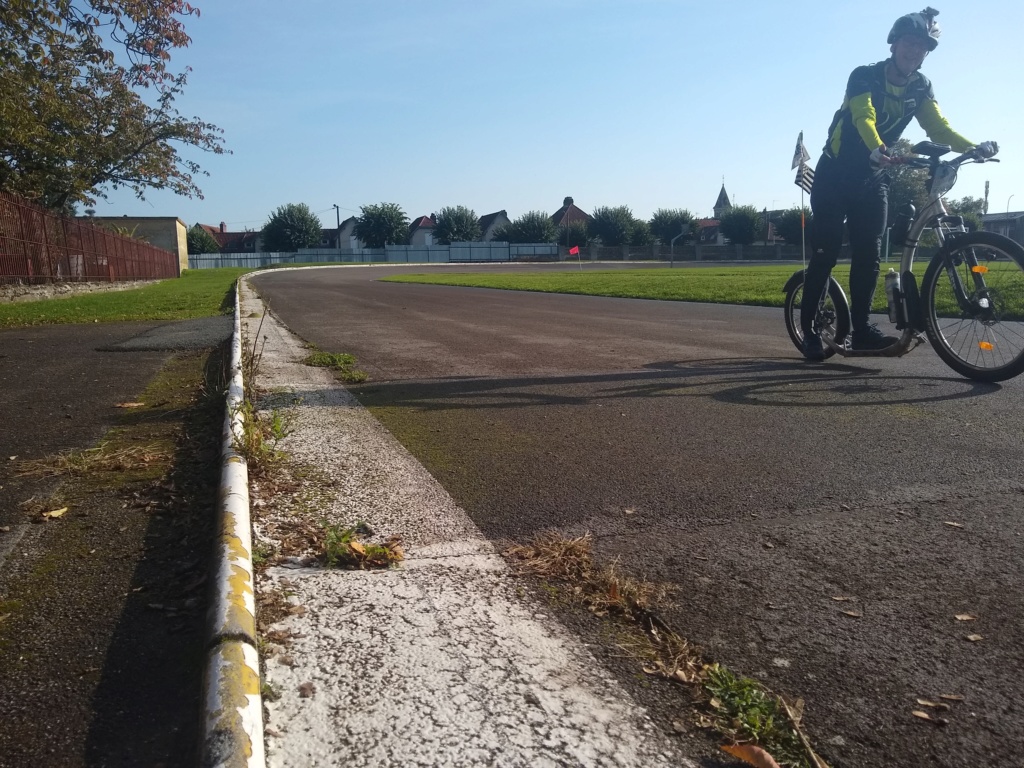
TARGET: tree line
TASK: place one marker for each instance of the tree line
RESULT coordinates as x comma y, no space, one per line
294,226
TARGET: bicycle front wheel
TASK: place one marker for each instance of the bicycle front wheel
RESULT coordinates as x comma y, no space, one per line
973,301
833,315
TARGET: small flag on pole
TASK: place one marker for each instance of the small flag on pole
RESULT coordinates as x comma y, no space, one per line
574,250
800,156
804,178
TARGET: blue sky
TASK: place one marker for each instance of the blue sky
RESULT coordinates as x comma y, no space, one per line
514,105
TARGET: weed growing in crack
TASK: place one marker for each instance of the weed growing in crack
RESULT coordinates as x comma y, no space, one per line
344,548
269,691
343,364
262,432
251,359
745,712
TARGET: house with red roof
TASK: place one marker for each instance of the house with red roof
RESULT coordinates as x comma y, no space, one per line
421,231
569,214
234,242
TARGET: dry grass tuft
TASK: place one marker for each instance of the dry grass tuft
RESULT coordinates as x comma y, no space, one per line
603,589
552,556
103,458
740,709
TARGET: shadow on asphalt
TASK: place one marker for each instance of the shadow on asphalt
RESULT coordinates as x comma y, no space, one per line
149,694
758,382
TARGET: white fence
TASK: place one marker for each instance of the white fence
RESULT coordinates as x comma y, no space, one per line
456,253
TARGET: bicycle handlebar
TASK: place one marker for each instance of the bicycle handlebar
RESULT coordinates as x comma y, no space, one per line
924,161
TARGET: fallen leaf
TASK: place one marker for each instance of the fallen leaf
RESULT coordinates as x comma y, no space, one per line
951,696
925,716
306,690
953,525
933,704
966,617
55,513
843,599
130,405
297,610
751,755
975,638
769,545
684,677
357,547
855,614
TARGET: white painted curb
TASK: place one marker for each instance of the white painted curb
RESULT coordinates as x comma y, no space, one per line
233,710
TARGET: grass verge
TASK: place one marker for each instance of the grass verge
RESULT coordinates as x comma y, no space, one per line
743,711
754,285
197,293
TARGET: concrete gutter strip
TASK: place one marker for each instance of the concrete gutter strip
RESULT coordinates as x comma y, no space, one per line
233,710
439,662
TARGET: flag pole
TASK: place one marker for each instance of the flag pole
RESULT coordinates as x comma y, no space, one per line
804,180
803,230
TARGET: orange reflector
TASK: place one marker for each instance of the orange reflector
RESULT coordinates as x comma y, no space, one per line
986,346
979,270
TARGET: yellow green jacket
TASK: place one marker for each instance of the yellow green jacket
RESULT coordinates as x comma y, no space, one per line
875,113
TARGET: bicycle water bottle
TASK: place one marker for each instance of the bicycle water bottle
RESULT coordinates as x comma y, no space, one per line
892,294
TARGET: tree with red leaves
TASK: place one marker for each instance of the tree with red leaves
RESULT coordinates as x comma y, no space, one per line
87,100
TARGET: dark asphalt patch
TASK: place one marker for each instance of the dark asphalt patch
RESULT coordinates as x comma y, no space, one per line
101,658
201,333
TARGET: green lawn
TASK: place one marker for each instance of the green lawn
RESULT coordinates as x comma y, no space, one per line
761,286
208,292
197,293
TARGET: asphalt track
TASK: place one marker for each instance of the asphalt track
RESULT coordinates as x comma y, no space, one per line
696,446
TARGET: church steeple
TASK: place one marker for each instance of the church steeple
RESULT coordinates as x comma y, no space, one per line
723,204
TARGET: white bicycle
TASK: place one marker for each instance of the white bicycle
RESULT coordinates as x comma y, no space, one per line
970,303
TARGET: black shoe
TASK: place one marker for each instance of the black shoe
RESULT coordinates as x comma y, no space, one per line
813,350
869,338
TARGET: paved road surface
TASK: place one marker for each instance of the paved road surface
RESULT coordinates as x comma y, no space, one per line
696,446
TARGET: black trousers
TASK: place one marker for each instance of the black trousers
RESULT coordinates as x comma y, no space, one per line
859,198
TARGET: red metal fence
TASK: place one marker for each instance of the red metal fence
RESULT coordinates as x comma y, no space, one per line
39,246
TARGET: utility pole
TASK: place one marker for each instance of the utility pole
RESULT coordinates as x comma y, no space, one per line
337,230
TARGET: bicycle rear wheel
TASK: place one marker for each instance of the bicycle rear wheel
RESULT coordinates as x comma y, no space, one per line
979,334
